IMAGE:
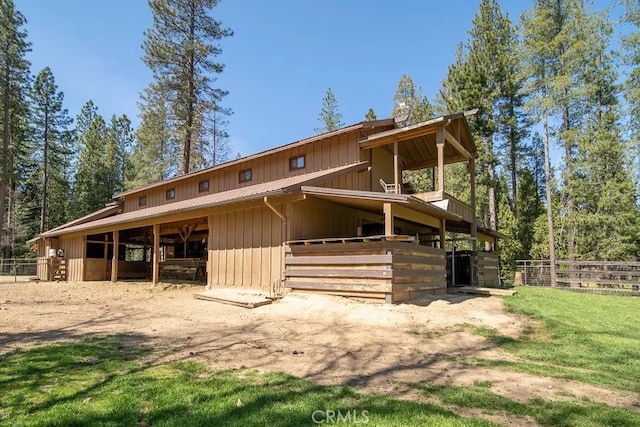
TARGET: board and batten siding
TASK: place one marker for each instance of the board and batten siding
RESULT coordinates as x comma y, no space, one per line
245,248
315,219
74,250
328,153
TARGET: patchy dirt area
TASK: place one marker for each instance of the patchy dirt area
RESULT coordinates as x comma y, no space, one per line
328,340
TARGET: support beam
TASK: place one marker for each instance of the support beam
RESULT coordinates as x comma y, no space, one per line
400,211
388,219
210,266
114,260
156,254
455,143
397,180
474,228
440,144
434,162
443,230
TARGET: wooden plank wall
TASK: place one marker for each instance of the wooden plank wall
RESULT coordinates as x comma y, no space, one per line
487,268
245,248
321,155
97,269
315,219
417,271
74,250
378,270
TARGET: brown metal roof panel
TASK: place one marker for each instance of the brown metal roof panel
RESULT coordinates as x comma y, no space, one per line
285,185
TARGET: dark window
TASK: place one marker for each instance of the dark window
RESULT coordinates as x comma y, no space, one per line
203,186
171,194
245,175
95,250
296,163
142,201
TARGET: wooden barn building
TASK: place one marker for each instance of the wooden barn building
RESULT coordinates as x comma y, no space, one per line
329,213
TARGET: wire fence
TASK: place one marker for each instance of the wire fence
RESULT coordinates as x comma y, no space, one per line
586,276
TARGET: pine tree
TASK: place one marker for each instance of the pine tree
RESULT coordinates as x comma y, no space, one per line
220,148
330,116
49,128
119,140
92,168
411,106
154,155
180,49
410,102
371,115
484,76
14,80
631,46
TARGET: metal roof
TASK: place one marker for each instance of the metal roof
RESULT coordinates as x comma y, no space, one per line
281,186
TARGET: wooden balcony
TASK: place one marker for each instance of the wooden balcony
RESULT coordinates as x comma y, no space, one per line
449,203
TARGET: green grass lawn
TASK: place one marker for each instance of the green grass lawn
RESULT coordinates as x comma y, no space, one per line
107,381
587,337
112,381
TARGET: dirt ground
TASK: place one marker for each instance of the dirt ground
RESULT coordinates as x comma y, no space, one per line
328,340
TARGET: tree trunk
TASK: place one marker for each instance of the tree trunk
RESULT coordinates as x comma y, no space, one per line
186,165
6,155
547,177
512,155
45,170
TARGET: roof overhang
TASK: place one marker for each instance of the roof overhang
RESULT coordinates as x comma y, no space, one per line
193,208
373,201
417,143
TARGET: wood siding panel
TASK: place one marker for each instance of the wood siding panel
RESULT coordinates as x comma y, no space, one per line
381,271
323,154
74,249
246,248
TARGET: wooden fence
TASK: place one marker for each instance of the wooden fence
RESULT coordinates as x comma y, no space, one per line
589,276
13,269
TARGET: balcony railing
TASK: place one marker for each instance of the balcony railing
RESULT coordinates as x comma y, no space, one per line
449,203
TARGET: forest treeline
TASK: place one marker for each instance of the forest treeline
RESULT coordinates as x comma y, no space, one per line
549,81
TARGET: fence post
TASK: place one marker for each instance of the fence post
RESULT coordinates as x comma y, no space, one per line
15,270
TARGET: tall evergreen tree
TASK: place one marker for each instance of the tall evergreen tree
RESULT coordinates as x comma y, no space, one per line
330,115
409,101
92,168
49,128
154,156
484,76
14,80
631,46
180,49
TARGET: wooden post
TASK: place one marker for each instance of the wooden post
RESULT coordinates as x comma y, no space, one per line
396,168
388,219
474,228
440,146
210,251
156,254
114,260
443,229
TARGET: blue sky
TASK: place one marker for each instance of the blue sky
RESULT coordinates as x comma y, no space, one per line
280,62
